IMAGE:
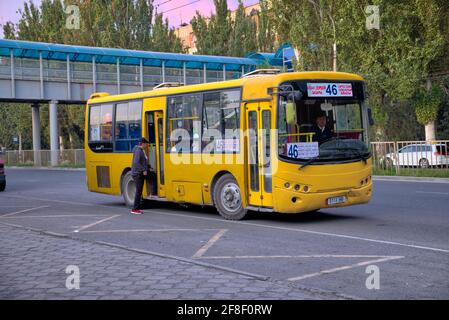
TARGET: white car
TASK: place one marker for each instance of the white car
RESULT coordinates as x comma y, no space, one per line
420,155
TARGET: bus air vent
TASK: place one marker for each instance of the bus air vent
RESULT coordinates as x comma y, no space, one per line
262,72
168,85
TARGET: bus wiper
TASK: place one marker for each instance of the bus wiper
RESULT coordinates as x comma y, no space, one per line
308,162
356,151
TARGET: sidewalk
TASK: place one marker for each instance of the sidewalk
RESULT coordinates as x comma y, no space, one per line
32,266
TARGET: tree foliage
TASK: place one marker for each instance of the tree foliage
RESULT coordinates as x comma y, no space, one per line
221,35
427,104
130,24
396,60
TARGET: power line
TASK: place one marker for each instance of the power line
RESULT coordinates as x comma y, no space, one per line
160,4
185,5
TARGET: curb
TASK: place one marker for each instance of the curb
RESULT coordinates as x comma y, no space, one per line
410,179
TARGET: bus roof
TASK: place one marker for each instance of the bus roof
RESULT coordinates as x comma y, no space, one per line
261,80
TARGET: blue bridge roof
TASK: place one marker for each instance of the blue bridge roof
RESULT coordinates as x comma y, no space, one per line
29,49
274,59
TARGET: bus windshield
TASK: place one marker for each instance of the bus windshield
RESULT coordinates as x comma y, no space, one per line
321,129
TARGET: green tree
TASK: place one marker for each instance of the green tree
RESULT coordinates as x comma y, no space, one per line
395,60
163,38
212,35
104,23
243,37
265,31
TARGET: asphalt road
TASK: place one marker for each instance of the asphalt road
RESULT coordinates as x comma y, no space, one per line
404,231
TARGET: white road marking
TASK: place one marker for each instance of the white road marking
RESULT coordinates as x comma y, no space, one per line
253,224
23,211
305,231
57,201
209,244
96,223
360,264
141,230
295,256
15,206
434,192
57,216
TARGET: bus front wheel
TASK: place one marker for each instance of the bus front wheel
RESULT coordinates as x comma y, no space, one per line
128,189
228,198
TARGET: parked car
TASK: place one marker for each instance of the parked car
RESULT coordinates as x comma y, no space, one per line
2,174
418,155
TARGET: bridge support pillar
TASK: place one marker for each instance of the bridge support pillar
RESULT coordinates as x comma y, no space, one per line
35,118
54,136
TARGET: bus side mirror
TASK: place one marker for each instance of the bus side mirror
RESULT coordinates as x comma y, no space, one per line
370,117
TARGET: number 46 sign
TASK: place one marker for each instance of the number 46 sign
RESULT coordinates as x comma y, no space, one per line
329,89
302,150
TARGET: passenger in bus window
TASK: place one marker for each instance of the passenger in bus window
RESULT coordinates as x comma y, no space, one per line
322,131
139,172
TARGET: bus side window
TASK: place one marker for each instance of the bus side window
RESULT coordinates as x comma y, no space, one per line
100,128
184,123
128,128
221,121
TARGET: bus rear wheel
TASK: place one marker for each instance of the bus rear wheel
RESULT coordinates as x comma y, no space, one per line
128,187
228,198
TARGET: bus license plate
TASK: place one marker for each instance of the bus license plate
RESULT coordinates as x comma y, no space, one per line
336,200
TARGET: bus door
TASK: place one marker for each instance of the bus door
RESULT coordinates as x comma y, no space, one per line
155,154
258,123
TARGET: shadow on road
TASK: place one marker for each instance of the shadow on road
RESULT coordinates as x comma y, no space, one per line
211,212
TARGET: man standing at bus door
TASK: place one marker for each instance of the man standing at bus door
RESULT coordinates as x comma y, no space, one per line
139,172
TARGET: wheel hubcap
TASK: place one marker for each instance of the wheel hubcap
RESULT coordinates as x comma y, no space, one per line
230,197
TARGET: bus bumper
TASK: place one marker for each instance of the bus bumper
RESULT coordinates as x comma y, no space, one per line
288,201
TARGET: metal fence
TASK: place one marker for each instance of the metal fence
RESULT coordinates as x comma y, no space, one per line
410,157
42,158
389,157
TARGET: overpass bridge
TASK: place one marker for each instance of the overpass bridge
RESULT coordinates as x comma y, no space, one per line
36,73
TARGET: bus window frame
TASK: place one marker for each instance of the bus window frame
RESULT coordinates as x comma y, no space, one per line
361,96
202,93
114,107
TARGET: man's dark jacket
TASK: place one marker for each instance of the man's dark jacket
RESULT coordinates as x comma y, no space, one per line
140,162
321,136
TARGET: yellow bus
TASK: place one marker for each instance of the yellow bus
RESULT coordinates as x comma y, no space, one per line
256,143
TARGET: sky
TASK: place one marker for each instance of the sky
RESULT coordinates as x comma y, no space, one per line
177,11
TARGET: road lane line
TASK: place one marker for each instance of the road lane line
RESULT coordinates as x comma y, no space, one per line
15,206
209,244
96,223
344,236
54,200
434,192
295,256
58,216
142,230
328,271
23,211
